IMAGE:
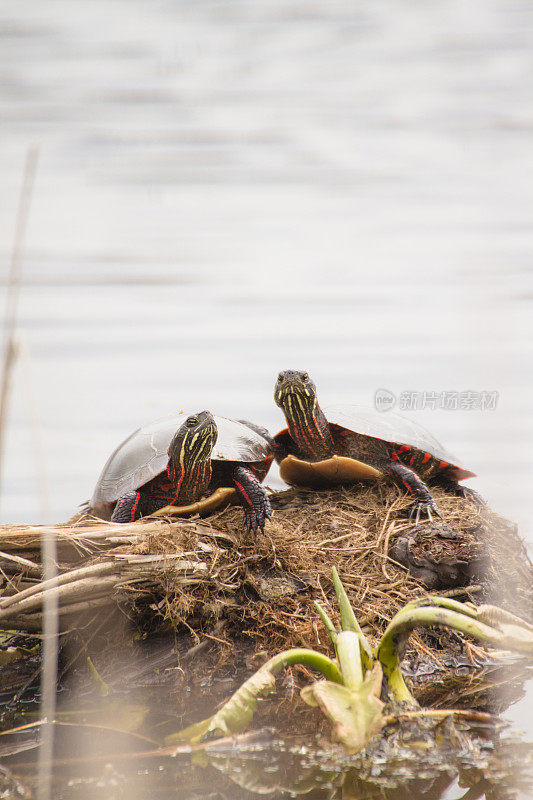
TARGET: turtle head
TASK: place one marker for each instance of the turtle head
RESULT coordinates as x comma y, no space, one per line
295,389
295,394
189,452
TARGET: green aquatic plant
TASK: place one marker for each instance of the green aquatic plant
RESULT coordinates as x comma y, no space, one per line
235,715
349,692
486,623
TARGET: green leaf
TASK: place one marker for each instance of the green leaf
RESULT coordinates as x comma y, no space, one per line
349,621
103,687
349,658
328,624
356,715
234,715
127,717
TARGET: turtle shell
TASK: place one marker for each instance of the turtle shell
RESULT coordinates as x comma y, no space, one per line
387,426
143,455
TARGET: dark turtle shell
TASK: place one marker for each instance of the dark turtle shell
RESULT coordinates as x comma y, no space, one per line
387,426
143,455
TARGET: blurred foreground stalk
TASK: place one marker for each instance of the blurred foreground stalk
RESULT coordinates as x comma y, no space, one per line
48,544
13,289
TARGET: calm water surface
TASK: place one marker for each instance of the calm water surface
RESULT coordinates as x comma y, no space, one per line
226,189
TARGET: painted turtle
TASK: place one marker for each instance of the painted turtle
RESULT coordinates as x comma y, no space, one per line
179,459
344,444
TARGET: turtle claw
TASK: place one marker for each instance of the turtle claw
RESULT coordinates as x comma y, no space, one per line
473,496
263,518
255,518
249,523
427,507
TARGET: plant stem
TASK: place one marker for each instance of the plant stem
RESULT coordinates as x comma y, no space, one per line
442,602
309,658
428,616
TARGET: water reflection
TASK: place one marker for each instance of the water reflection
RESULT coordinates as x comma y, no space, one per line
227,190
483,763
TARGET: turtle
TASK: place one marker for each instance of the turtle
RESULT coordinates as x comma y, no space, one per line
180,459
343,444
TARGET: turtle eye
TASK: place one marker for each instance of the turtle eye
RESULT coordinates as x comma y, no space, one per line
191,422
280,378
305,376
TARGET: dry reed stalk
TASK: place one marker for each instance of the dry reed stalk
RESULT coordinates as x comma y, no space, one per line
22,565
99,580
13,286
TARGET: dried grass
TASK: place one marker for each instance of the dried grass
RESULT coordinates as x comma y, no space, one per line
210,579
264,585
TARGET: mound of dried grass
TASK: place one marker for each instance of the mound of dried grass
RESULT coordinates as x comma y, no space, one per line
264,585
209,578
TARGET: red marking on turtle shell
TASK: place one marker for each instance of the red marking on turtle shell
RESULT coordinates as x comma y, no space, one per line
444,464
395,454
427,456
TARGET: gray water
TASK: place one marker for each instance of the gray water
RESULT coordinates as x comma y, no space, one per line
227,189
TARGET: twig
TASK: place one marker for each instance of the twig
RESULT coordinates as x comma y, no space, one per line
28,567
385,555
386,520
86,588
462,590
60,580
78,589
474,716
34,622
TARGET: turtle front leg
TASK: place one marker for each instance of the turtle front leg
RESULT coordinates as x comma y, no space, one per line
128,508
407,479
253,497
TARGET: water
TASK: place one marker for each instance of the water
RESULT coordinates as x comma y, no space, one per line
227,189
